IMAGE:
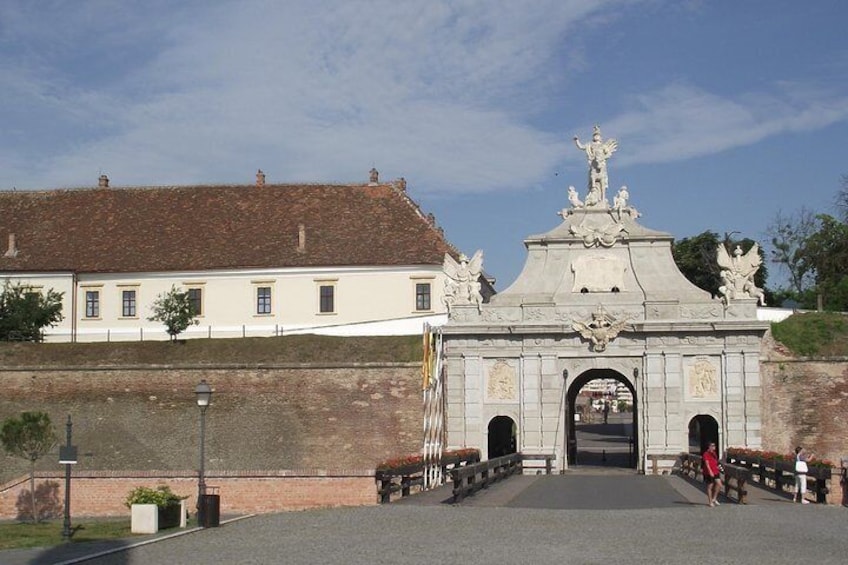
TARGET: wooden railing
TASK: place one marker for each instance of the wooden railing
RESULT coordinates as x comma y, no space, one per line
655,459
471,478
548,458
779,475
735,478
406,478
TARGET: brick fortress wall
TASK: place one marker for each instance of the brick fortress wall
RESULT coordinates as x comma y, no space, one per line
806,403
314,420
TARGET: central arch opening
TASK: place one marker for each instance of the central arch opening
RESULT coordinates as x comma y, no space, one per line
602,420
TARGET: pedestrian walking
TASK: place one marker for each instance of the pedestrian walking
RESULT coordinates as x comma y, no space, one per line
712,474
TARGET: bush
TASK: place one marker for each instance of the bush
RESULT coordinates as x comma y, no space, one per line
161,496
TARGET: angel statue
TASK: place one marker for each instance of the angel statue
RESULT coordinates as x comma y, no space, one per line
737,274
600,329
462,285
597,153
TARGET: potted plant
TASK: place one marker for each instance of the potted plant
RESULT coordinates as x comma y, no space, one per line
154,509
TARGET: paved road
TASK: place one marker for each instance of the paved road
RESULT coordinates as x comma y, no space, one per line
515,523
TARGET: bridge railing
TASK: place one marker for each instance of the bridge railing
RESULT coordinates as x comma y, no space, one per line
735,478
528,462
779,475
406,478
471,478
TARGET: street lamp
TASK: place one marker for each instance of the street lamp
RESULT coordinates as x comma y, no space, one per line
67,457
203,395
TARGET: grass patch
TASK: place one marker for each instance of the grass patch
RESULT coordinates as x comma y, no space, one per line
252,350
14,535
814,334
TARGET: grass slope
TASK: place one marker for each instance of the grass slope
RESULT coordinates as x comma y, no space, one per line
814,334
252,350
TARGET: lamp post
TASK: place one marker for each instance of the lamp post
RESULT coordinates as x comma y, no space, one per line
67,457
203,395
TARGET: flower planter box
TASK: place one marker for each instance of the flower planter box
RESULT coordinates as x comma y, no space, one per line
144,519
149,518
171,516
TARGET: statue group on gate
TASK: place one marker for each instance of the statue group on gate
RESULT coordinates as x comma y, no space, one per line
597,153
737,274
462,282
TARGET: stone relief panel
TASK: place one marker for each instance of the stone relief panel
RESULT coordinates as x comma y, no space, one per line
536,313
501,315
598,273
702,378
501,382
699,312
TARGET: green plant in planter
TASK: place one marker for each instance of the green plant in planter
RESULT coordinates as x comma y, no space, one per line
166,501
161,496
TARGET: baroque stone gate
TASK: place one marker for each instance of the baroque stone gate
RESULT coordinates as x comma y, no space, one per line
600,294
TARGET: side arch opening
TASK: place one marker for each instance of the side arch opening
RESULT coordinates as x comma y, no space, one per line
502,434
703,429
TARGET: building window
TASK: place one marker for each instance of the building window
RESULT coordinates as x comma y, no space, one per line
92,303
263,300
422,296
128,303
327,294
195,297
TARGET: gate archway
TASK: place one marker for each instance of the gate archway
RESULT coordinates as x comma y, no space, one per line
595,439
502,432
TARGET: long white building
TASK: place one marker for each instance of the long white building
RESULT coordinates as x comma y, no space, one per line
257,260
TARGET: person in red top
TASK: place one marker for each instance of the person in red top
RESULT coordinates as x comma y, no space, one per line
712,474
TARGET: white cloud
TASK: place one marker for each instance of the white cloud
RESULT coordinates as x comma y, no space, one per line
681,121
444,93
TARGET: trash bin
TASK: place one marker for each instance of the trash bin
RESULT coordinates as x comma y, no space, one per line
209,511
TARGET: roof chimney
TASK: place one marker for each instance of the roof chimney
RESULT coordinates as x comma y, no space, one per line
301,238
373,176
103,181
260,178
13,248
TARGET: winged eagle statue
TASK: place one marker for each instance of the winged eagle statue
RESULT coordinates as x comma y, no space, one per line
737,273
600,329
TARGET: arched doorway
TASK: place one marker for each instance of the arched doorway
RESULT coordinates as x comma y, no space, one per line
501,436
703,429
602,425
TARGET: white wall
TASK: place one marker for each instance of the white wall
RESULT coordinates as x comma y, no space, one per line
368,301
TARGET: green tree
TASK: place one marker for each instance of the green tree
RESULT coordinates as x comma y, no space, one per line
696,258
842,199
825,253
29,437
25,312
174,309
789,235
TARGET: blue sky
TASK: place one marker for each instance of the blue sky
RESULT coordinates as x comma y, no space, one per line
725,112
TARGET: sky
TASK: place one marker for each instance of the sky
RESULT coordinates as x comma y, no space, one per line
726,113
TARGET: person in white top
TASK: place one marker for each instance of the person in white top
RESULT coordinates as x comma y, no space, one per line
801,459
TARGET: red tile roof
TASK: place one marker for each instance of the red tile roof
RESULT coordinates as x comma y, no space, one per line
216,227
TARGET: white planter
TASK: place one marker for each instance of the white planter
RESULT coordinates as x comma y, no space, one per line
145,519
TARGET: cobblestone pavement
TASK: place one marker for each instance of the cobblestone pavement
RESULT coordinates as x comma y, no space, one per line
512,528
